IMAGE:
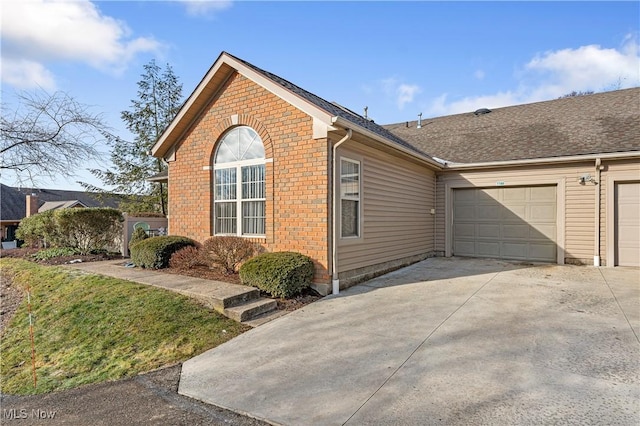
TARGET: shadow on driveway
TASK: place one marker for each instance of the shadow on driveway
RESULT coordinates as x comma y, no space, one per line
450,341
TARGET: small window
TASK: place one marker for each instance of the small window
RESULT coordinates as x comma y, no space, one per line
350,198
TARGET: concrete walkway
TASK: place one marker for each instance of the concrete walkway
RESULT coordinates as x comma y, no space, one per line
445,341
238,302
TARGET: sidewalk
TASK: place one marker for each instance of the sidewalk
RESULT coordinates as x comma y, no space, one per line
238,302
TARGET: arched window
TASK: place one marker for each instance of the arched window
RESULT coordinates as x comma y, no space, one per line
239,184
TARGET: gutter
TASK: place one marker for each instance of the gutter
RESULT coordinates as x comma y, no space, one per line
334,218
548,160
596,248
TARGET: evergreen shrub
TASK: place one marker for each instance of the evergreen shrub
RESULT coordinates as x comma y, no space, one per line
155,252
281,274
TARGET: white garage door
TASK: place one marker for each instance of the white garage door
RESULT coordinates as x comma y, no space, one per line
506,223
627,223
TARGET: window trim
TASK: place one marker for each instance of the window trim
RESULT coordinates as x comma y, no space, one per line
351,198
239,218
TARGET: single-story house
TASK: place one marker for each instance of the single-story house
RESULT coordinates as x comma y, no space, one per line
253,155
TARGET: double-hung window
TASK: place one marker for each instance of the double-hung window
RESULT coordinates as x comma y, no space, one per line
239,184
349,198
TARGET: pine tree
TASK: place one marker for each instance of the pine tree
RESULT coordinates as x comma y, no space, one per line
158,102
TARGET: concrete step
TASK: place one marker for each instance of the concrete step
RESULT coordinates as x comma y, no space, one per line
265,318
250,309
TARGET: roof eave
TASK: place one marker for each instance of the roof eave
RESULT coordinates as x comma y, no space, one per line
346,124
542,161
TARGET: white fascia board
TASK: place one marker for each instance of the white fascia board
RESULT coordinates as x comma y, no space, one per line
541,161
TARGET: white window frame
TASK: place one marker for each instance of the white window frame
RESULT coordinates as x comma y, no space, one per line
239,217
357,198
238,165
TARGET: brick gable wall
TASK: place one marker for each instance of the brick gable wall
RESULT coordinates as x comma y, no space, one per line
296,179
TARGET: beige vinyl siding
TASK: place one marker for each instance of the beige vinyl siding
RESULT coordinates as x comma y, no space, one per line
576,224
396,223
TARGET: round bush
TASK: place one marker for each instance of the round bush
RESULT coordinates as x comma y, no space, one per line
281,274
155,252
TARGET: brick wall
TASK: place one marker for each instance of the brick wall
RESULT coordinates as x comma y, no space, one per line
296,179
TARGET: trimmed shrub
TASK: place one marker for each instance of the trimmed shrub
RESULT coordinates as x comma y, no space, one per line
90,229
186,258
138,234
227,252
281,274
155,252
84,229
40,230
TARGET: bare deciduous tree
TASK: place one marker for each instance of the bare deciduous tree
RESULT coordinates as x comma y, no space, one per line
48,135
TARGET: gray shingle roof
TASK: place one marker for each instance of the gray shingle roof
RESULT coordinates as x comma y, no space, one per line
330,107
599,123
13,200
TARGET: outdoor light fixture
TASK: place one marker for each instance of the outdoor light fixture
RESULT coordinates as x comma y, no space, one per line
586,178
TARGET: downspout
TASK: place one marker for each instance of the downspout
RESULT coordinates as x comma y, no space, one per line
334,219
596,248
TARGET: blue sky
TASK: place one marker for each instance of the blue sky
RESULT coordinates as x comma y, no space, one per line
397,58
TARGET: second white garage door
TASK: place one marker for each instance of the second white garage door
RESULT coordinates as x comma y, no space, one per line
506,223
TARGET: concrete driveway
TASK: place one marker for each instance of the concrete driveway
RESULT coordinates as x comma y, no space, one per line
445,341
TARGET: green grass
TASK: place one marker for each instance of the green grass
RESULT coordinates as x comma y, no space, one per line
91,328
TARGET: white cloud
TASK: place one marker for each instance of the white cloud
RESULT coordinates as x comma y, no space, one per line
205,7
38,31
402,93
479,74
406,93
26,74
552,74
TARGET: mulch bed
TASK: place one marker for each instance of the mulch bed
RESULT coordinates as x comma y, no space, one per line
297,302
11,296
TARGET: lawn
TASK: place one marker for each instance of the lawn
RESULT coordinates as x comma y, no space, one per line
92,328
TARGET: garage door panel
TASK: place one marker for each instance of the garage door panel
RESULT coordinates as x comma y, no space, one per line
520,231
541,251
543,232
627,223
514,194
542,212
465,248
488,212
486,196
510,223
463,213
514,250
543,193
468,197
487,248
514,213
464,230
485,230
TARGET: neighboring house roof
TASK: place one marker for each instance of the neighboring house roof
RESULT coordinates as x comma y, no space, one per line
607,122
53,205
13,205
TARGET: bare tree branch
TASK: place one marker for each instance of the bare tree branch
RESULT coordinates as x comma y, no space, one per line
49,135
